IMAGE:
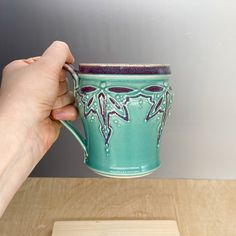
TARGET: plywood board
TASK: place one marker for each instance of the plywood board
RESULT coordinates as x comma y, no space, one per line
116,228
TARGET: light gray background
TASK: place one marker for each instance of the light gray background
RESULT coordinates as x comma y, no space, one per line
198,39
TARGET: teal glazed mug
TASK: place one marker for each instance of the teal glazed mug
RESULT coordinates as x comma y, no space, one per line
123,109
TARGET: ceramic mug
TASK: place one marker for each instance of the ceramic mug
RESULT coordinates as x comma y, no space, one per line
123,109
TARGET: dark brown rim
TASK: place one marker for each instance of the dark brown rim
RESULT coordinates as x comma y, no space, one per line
129,69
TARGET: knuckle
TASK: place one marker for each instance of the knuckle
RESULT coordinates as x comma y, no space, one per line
9,66
61,44
5,69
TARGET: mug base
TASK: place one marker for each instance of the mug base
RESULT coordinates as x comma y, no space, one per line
124,176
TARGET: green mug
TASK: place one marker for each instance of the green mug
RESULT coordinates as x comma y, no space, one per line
123,109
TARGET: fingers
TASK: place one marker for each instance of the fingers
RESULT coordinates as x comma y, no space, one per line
63,108
63,100
62,75
53,59
63,87
60,52
68,112
56,56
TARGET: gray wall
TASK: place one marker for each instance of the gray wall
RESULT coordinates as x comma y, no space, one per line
197,38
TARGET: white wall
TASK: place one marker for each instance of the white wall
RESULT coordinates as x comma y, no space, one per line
198,39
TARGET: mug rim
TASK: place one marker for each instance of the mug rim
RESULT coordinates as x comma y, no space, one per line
124,68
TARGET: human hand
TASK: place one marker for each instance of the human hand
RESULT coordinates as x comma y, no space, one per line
35,88
33,96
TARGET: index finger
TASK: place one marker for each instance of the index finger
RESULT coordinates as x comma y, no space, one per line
57,54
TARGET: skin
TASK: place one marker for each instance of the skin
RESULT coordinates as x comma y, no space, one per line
33,97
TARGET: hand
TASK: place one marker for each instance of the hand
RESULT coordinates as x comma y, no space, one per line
35,88
33,96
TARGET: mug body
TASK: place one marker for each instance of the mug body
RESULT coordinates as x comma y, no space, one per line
123,109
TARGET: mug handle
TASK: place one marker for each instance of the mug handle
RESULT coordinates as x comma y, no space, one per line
79,137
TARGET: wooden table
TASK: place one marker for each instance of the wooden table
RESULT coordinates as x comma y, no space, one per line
200,207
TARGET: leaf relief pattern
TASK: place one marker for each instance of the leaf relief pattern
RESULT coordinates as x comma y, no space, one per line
113,101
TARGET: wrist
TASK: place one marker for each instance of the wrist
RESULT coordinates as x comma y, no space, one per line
16,157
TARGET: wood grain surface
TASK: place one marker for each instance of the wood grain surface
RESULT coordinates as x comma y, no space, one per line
200,207
116,228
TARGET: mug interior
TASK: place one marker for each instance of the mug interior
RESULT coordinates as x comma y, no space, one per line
130,69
